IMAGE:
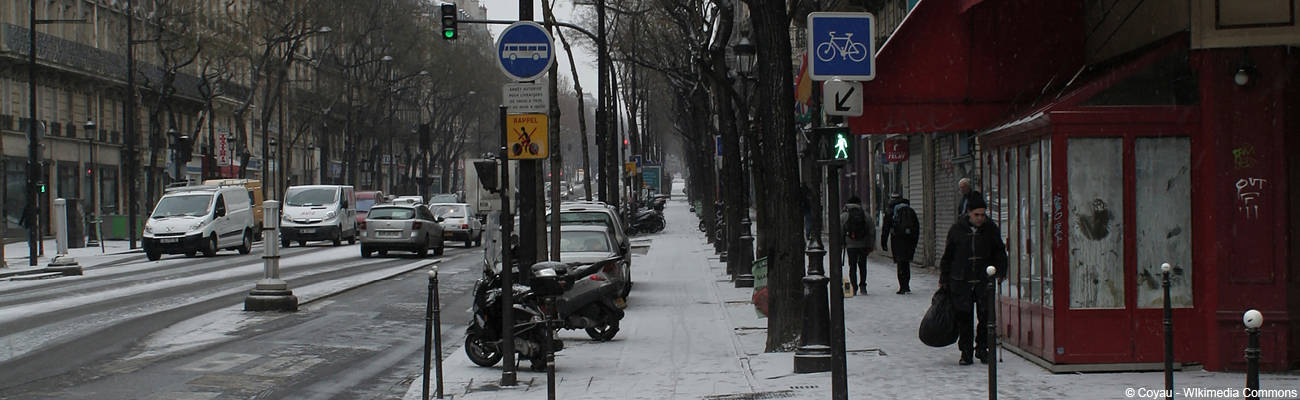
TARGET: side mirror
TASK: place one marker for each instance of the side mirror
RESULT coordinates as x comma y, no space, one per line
219,212
439,219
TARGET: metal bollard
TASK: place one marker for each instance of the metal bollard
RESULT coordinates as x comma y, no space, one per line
1169,333
432,330
552,323
993,332
1253,320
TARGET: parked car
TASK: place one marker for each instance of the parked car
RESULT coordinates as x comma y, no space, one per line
588,244
598,214
191,219
318,212
404,227
365,200
445,198
459,223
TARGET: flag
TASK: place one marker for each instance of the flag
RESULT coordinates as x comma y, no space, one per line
803,83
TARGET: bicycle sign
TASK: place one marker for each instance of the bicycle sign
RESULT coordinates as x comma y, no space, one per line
842,45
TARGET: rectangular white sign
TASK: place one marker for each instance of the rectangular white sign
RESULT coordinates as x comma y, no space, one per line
526,98
223,147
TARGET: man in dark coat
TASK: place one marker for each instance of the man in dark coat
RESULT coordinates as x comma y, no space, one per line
974,243
967,193
904,242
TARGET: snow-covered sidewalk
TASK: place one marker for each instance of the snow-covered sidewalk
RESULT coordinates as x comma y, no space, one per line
690,334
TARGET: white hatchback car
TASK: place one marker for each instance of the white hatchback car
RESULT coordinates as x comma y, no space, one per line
459,223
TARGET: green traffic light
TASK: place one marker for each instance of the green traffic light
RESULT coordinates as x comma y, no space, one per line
449,33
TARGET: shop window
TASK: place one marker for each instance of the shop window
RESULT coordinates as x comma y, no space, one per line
15,192
1050,222
108,190
1167,82
1164,219
1011,228
1031,191
1096,221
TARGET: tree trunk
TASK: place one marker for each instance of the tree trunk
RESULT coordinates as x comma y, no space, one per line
777,141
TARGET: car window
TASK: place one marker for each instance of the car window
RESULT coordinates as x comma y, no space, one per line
583,241
391,213
310,197
584,218
189,205
365,204
443,198
425,214
449,211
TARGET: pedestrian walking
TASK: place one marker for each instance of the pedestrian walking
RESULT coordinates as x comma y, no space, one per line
967,193
859,241
901,224
973,244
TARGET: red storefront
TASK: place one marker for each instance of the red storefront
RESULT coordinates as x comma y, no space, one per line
1156,155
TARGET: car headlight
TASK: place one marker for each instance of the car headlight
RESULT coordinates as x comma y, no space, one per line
195,226
286,218
330,215
148,228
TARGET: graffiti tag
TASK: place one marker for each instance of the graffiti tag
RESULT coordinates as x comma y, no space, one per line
1243,157
1247,191
1058,219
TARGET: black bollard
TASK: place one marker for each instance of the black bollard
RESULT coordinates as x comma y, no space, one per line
1169,334
552,323
992,332
1253,320
432,329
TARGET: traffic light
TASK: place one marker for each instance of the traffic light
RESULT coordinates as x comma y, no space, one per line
42,187
449,21
487,175
833,144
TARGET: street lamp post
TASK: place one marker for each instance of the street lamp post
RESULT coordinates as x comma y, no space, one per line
745,53
311,157
92,202
275,183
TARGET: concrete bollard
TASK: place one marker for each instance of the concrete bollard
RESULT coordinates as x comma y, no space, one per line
271,293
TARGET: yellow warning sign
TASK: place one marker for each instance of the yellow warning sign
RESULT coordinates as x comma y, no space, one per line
526,139
629,168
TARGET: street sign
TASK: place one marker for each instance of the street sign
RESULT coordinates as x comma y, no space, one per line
651,176
223,153
636,160
525,51
842,98
717,143
843,45
629,168
526,98
832,144
527,137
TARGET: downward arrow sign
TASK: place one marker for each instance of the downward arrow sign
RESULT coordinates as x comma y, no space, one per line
839,102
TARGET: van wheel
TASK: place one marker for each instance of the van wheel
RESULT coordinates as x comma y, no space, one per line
302,243
247,246
191,254
366,252
210,249
352,239
284,243
338,238
153,255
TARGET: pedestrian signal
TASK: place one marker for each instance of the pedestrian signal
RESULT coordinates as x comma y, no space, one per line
833,144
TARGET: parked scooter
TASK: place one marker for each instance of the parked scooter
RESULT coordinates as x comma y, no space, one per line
585,308
646,221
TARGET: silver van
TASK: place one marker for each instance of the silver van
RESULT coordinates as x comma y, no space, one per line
318,212
191,219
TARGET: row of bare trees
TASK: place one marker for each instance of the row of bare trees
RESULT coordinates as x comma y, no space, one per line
352,79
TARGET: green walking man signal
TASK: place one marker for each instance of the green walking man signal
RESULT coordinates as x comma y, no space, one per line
833,144
448,20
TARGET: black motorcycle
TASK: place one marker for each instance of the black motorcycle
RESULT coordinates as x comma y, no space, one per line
548,279
646,221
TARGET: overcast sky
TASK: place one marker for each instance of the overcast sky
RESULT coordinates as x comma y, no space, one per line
509,10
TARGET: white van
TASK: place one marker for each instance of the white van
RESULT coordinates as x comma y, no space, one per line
318,212
191,219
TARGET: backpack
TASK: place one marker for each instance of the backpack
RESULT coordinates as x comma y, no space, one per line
905,222
856,226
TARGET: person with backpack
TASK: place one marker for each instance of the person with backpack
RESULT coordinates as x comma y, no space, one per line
973,244
859,241
900,222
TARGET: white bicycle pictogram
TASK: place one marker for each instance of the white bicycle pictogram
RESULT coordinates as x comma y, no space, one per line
844,46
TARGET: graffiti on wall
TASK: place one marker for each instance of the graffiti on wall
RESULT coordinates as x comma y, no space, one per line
1058,220
1248,191
1243,157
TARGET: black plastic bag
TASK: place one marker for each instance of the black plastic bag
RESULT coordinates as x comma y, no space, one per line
939,327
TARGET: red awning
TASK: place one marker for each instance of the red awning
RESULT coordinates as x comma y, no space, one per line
957,65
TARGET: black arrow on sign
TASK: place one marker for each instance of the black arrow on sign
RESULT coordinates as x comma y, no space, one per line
839,102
